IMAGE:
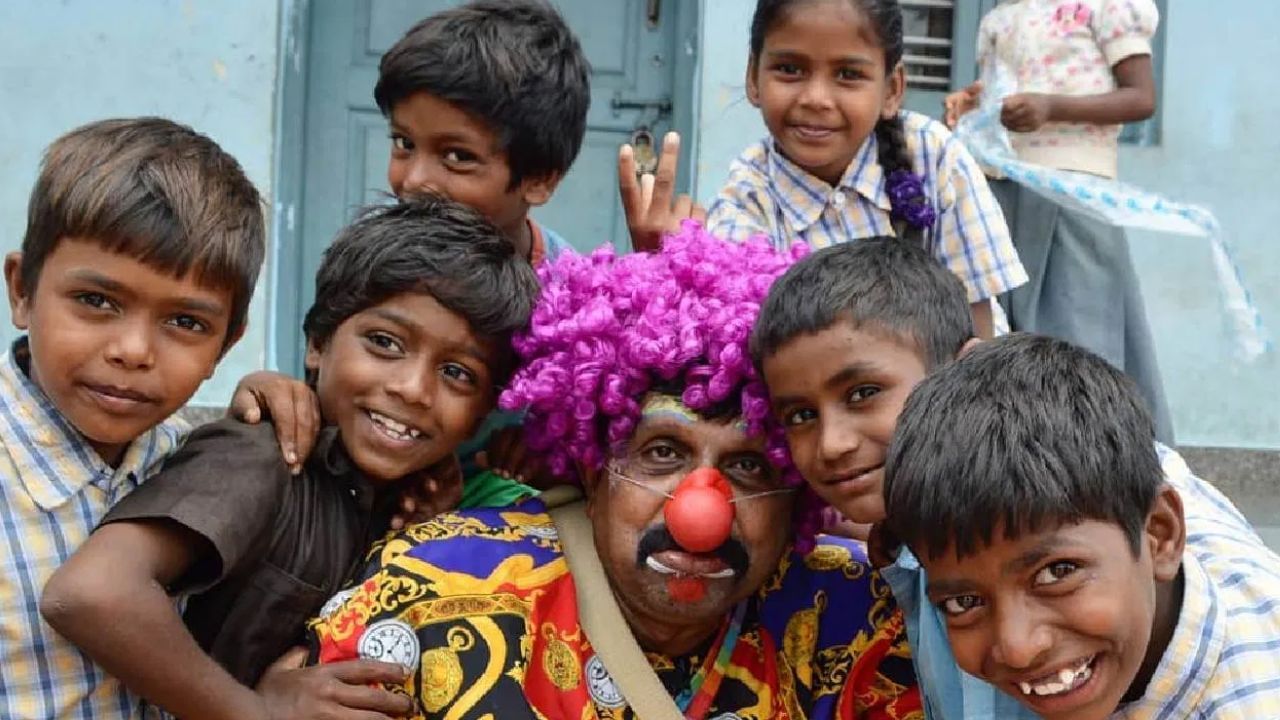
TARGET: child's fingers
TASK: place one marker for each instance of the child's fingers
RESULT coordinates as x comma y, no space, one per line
364,672
665,180
684,208
285,436
628,186
699,213
501,444
244,406
374,702
309,427
647,182
518,464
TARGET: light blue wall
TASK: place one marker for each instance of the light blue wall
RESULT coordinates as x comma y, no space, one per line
209,64
1219,148
726,122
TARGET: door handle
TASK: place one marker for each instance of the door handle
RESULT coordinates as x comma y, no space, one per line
653,13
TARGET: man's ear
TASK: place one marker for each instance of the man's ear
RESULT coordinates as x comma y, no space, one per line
1166,534
968,345
590,477
538,191
19,293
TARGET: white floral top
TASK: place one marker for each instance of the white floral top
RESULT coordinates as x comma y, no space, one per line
1064,47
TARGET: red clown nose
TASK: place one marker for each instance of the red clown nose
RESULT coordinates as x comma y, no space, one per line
699,515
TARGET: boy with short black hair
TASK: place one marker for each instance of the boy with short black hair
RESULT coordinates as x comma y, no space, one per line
488,106
842,339
407,340
1081,568
143,244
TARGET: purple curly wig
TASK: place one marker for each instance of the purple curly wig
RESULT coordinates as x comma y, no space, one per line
609,328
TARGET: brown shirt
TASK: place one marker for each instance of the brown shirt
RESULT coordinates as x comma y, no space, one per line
277,546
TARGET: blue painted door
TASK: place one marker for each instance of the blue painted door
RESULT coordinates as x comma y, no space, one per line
640,51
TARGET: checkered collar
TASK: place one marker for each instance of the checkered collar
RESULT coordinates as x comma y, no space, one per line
53,460
803,197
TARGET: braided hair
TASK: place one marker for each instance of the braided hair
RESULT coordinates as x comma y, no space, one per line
911,214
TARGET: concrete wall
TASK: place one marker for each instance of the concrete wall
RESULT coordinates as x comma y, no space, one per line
209,64
1217,149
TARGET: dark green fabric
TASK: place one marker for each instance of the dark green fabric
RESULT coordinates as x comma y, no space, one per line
489,489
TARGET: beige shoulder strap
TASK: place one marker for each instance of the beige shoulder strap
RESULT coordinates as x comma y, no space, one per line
602,620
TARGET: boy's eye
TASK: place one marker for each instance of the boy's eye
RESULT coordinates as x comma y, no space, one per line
457,372
384,342
95,300
1055,572
960,604
785,68
186,322
862,392
459,156
401,143
848,74
799,417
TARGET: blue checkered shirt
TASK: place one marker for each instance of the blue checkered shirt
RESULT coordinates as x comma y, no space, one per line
54,489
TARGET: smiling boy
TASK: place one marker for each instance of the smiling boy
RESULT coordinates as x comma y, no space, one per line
1081,568
143,245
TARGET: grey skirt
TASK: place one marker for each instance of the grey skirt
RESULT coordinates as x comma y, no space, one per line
1082,288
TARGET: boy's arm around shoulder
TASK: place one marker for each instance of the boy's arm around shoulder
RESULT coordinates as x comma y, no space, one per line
225,485
207,513
112,599
109,599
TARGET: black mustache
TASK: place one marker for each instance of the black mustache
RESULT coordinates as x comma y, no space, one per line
658,539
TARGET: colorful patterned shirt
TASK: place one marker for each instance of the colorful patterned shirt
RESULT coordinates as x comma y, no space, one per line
54,488
481,604
1062,47
1223,662
768,194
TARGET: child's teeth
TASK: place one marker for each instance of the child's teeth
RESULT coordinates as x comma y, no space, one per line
1066,675
395,426
1025,687
1050,689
